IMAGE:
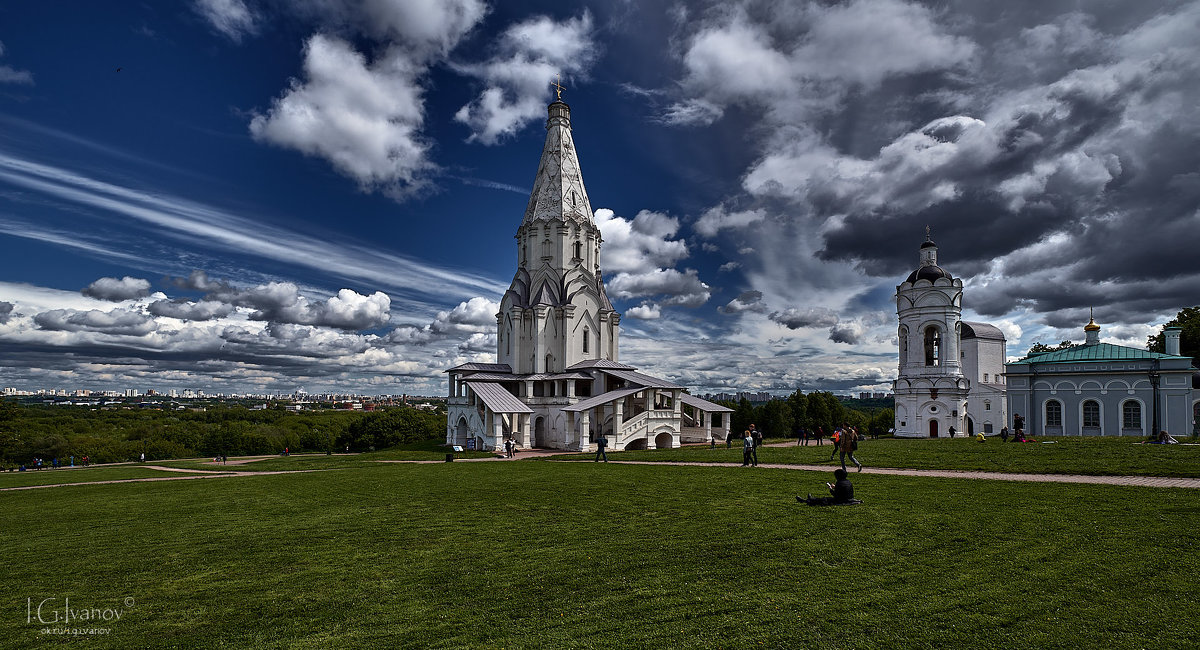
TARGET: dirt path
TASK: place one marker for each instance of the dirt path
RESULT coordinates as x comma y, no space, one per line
188,474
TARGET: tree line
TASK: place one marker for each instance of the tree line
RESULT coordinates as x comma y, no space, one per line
116,435
784,418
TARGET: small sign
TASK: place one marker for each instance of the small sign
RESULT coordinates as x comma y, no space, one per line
471,444
458,448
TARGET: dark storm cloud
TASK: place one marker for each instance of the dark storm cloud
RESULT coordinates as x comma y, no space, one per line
794,318
116,290
6,311
117,321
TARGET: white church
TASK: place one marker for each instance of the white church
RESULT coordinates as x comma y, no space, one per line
559,382
951,370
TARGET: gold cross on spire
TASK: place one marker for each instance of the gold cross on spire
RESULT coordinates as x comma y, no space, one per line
927,233
558,85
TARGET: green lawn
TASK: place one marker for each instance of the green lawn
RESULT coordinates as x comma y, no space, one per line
78,475
582,555
427,450
1068,455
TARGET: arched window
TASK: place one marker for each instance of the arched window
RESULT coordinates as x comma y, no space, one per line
1054,413
586,336
933,346
1091,414
549,363
903,336
1131,415
578,250
987,405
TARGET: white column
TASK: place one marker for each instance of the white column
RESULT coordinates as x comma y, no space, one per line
585,439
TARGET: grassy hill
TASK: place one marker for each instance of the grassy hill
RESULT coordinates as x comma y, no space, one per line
551,554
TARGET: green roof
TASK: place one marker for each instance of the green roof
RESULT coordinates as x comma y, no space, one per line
1097,352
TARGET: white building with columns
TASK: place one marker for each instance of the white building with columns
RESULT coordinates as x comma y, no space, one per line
951,371
559,382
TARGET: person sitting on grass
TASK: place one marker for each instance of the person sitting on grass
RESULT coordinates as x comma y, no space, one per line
841,491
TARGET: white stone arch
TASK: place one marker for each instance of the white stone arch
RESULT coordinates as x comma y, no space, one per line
933,299
1100,411
933,343
1090,384
1142,417
1118,384
1069,385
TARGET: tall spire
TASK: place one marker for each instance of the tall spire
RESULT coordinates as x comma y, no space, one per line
558,192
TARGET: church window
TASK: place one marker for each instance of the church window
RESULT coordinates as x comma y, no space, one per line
933,346
987,405
903,336
578,250
546,245
1091,414
1054,413
985,377
549,363
585,336
1131,415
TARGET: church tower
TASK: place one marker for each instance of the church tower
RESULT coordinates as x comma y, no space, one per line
556,313
931,390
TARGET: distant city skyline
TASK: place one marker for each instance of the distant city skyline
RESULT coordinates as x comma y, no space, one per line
245,197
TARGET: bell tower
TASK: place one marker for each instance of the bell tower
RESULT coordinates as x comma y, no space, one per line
556,312
931,390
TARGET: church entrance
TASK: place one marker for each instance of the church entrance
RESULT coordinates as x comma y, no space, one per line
970,427
662,441
461,432
539,432
933,429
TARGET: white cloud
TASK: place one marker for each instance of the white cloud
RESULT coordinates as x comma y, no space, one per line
680,288
717,218
230,17
364,118
517,79
126,288
640,245
645,311
746,301
201,310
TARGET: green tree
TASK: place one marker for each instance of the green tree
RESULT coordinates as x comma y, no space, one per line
1188,320
743,416
1042,348
799,405
818,414
777,420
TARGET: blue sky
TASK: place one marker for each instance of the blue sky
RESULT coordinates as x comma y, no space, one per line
260,195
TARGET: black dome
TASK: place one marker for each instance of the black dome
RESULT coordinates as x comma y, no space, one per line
928,244
931,273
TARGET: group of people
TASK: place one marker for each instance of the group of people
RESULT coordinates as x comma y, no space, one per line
845,443
1018,433
54,463
751,441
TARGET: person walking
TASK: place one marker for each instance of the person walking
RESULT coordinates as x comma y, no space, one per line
1003,434
757,437
819,434
952,431
849,442
747,448
1019,424
837,441
601,443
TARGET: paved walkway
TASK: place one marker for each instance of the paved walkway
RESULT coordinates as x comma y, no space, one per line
1145,481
